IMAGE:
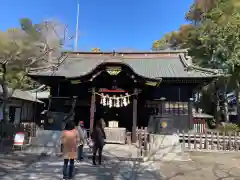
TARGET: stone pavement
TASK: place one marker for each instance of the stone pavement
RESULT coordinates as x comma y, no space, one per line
113,168
14,161
45,142
204,166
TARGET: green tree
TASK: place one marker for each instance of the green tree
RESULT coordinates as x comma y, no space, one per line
215,44
96,50
175,39
163,43
212,40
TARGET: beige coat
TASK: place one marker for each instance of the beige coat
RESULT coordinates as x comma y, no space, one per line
70,141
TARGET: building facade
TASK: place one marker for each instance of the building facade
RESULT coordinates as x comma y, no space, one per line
133,88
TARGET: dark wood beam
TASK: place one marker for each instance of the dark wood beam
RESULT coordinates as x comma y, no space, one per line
92,110
134,123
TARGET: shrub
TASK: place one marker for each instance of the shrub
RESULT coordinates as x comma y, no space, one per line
228,128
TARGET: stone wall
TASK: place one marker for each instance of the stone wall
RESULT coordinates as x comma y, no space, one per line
164,147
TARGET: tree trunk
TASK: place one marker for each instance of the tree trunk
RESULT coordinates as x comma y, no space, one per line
5,95
5,115
217,113
237,99
217,107
226,114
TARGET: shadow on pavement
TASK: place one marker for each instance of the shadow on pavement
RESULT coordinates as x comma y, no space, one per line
12,162
111,169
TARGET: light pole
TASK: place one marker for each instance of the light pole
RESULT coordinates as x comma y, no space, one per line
76,35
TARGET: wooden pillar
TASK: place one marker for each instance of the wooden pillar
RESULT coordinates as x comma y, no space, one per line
92,109
134,124
190,113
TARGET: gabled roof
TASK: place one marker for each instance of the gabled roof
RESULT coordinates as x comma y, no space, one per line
154,65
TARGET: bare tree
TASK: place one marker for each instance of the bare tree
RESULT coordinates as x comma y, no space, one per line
33,46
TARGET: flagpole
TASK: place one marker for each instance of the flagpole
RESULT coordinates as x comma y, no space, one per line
76,35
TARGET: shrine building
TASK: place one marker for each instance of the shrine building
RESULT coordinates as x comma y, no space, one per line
131,88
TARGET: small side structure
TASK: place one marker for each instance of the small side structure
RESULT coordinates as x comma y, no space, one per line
22,106
23,113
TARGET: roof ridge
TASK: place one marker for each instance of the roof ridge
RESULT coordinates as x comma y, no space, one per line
184,59
126,52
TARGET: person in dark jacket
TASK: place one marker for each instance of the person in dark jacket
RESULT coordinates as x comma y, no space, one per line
98,137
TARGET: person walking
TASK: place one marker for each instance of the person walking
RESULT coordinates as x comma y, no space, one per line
70,138
83,133
103,124
98,136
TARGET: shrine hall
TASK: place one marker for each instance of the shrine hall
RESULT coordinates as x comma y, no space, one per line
126,89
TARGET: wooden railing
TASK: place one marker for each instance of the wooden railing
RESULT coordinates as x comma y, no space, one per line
114,135
143,141
8,131
199,125
210,140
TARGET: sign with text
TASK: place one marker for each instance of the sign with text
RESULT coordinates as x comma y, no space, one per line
19,139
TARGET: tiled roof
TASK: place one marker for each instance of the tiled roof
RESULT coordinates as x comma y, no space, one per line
24,95
148,65
41,95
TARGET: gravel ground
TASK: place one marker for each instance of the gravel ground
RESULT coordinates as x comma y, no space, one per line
204,166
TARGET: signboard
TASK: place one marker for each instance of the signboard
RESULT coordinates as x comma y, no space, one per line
19,139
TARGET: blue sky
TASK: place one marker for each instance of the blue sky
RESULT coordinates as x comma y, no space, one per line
109,25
